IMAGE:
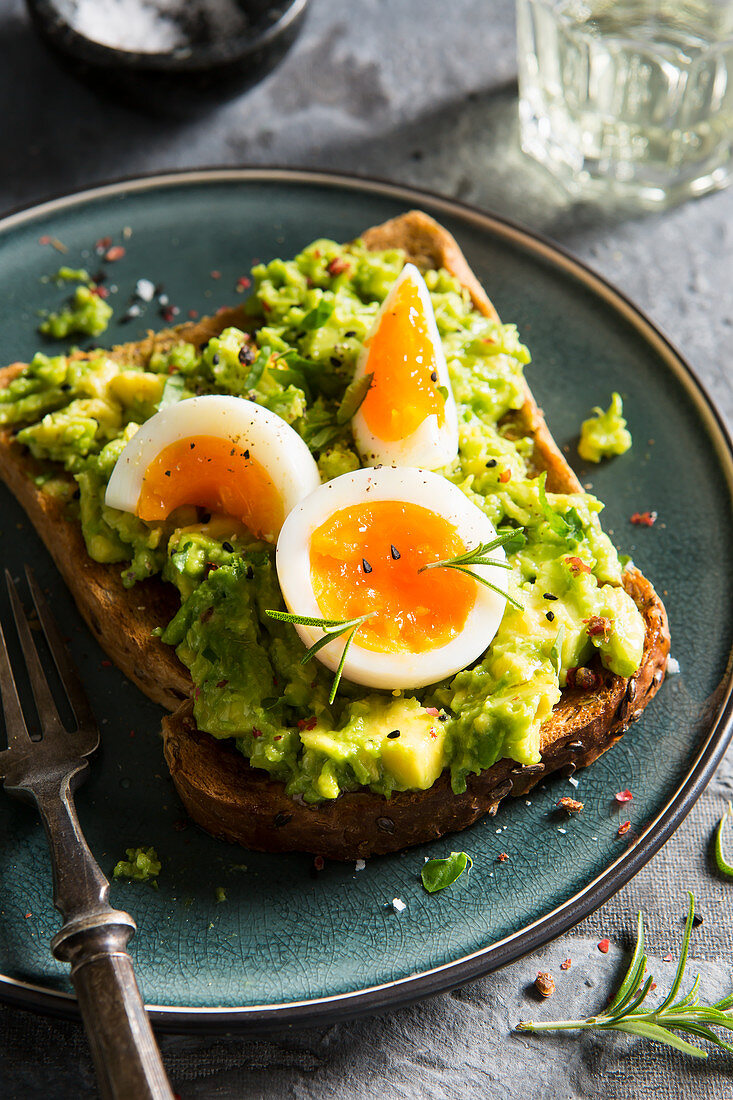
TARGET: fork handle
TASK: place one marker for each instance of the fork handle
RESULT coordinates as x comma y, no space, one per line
125,1053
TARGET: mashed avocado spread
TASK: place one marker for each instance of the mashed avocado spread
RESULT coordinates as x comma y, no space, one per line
604,434
307,320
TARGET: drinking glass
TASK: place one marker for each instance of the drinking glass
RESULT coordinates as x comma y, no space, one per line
628,98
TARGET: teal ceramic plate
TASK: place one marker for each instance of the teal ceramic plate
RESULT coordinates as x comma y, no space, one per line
289,944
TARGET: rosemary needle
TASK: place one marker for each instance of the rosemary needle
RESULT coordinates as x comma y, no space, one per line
479,556
332,628
662,1024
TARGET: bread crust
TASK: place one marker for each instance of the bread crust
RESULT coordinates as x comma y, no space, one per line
219,789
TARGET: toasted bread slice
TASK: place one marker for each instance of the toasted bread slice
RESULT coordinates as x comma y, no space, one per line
216,784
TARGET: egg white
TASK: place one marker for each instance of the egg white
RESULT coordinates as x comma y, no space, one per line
431,491
431,445
269,439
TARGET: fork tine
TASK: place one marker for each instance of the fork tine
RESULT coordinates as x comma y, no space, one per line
66,668
16,729
49,716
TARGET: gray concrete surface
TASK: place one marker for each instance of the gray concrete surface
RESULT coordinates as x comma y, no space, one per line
420,92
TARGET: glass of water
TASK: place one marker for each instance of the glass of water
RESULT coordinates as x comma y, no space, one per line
628,98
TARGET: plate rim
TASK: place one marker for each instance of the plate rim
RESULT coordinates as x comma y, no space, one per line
403,991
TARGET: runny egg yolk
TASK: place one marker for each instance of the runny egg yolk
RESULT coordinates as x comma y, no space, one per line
366,559
213,473
404,389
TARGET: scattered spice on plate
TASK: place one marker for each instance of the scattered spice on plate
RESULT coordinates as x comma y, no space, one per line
623,796
643,519
216,274
544,983
624,828
603,946
570,805
318,863
243,283
116,252
667,958
566,965
502,857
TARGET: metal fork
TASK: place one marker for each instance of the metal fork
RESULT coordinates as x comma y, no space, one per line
94,936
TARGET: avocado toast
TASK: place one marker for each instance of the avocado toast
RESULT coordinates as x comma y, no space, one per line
220,789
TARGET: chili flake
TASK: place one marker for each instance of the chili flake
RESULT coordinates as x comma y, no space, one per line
624,828
544,983
502,857
216,274
243,283
338,265
603,946
566,965
599,625
643,519
432,711
193,314
256,732
667,958
319,863
307,723
116,252
102,244
577,565
623,796
505,476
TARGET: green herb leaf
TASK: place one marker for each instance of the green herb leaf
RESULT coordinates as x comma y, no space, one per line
661,1023
443,391
439,873
354,394
257,368
721,862
568,526
173,389
317,316
556,651
514,538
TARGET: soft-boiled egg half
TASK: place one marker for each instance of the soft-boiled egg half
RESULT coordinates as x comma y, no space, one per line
221,453
408,417
358,546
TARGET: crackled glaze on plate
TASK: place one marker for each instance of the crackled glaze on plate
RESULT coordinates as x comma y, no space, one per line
290,944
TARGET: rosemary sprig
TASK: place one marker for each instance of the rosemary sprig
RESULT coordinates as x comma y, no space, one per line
626,1014
721,862
332,628
479,556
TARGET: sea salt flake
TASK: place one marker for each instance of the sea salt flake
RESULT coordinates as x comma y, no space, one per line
562,831
673,667
572,781
360,865
145,290
398,905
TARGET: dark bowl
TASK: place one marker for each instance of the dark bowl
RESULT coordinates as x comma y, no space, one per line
211,67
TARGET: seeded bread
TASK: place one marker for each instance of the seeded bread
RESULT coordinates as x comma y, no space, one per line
221,792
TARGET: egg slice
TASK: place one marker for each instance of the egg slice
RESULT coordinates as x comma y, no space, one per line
408,417
358,545
222,453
